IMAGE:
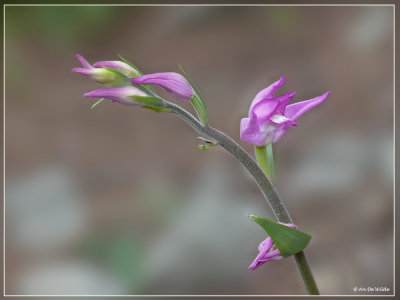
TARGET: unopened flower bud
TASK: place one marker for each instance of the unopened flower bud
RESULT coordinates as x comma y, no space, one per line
101,75
173,83
124,68
122,94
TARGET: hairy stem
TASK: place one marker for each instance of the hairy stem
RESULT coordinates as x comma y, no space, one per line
265,185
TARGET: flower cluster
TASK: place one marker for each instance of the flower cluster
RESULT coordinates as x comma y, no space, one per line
125,83
271,117
268,121
268,251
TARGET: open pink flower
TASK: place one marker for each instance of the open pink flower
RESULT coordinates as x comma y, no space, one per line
271,117
268,251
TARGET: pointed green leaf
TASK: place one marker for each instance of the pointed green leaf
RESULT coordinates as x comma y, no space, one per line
190,81
200,108
131,65
288,240
197,100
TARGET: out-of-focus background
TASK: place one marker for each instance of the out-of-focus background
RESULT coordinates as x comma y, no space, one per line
119,200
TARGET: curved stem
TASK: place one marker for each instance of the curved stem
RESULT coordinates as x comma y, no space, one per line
265,185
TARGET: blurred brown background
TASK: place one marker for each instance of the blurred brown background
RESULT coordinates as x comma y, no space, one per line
119,200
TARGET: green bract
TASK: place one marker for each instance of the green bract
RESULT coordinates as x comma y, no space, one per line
197,100
153,103
288,240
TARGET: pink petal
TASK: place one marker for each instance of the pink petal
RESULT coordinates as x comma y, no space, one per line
174,83
284,101
265,245
272,253
264,109
267,133
83,71
249,131
83,61
280,131
268,92
115,64
295,110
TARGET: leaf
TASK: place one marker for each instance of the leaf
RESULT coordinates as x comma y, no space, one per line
197,100
131,65
288,240
200,108
196,89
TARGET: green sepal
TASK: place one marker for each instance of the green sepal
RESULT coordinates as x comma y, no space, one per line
148,87
131,65
153,103
97,103
115,71
157,109
288,240
117,84
150,101
197,100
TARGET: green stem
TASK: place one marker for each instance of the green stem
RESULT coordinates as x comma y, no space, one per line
306,273
271,164
263,182
265,160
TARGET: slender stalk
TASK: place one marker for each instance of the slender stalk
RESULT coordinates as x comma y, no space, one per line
265,161
306,273
271,164
265,185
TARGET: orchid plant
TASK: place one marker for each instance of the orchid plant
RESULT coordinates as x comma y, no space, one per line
269,119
